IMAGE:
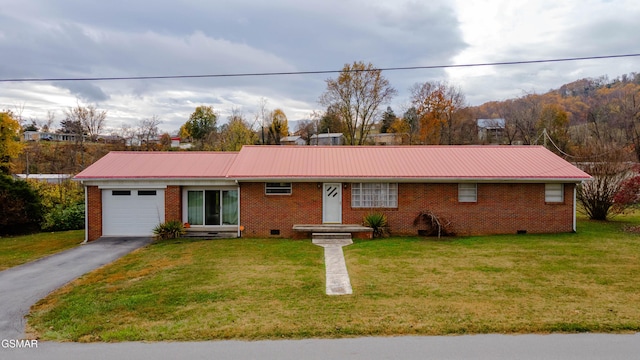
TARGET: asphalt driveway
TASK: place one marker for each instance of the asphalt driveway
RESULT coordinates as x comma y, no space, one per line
22,286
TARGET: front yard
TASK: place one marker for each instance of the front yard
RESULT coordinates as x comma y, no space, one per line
273,288
18,250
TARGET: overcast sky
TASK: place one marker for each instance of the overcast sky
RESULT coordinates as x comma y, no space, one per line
115,38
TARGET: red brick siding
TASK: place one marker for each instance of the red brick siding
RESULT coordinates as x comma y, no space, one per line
260,213
94,213
500,209
172,203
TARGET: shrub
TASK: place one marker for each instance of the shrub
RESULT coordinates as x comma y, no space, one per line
169,230
20,209
378,222
433,225
62,218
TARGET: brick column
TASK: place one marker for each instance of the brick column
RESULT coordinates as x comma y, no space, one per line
94,213
172,203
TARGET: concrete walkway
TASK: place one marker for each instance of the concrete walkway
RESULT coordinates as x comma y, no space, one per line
22,286
338,282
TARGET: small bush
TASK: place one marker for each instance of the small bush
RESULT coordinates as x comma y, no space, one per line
62,218
378,222
432,224
169,230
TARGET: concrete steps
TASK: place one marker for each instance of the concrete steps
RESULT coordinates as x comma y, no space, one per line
340,239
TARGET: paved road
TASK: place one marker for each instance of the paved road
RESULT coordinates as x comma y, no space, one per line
22,286
565,347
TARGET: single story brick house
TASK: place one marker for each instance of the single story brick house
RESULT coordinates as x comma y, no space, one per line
264,191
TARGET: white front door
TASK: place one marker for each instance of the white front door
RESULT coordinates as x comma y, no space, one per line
332,203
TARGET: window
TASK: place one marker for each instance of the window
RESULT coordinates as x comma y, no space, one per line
277,188
374,195
146,193
120,192
553,193
212,207
468,193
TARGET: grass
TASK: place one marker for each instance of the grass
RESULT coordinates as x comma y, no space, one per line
266,289
18,250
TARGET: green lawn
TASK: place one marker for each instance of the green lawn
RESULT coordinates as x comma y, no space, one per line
263,289
18,250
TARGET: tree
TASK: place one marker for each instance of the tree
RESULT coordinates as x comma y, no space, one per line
20,209
148,130
165,141
525,114
356,95
278,127
236,133
388,118
627,111
437,105
555,121
305,128
609,169
87,119
330,122
201,124
410,118
10,145
628,195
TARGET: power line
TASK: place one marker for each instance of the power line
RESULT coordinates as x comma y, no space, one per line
502,63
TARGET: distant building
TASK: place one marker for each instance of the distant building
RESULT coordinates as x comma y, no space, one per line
327,139
48,136
50,178
292,140
175,141
491,131
388,139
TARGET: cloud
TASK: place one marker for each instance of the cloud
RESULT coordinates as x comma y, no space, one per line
84,91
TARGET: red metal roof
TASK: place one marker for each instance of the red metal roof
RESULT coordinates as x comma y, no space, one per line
178,164
426,163
402,162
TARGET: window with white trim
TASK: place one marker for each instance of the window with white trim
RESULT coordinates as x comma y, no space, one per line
277,188
467,193
554,193
374,195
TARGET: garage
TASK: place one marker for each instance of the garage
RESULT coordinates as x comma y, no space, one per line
131,212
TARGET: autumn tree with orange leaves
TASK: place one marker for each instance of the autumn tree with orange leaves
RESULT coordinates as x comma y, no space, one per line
438,106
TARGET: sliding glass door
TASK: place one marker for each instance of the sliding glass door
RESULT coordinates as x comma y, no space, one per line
212,207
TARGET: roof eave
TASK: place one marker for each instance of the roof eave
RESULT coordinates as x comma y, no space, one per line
417,179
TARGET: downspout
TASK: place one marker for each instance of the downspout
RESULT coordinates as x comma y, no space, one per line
575,187
86,216
239,223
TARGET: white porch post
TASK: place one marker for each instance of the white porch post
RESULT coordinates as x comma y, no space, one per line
575,189
86,215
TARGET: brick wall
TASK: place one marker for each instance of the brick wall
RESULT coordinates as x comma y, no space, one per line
500,209
94,213
260,213
172,203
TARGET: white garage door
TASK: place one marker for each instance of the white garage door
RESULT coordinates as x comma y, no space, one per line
131,212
